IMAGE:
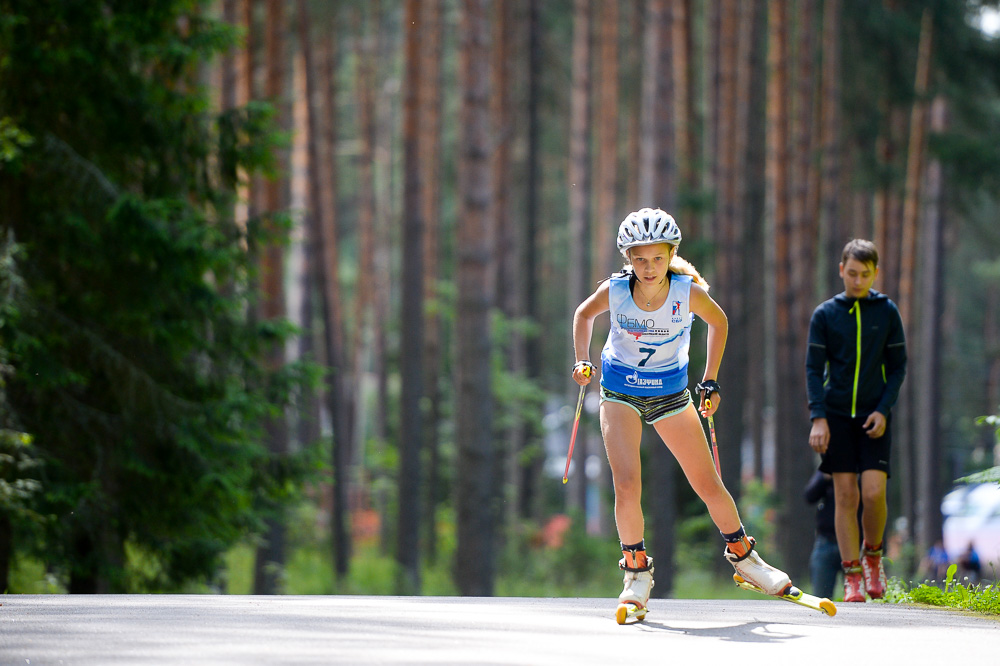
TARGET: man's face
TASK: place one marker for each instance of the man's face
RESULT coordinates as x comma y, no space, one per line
858,277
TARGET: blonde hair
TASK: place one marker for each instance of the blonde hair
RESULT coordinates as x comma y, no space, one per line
680,266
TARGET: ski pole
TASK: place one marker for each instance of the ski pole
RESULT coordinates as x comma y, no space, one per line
576,423
711,429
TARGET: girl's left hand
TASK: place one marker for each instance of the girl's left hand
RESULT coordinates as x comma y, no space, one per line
709,404
709,389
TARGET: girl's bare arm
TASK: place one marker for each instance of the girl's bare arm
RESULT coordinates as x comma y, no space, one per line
705,307
583,326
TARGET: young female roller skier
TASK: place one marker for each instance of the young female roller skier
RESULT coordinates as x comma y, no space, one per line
644,378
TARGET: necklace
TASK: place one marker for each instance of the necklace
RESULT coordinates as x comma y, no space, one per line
650,299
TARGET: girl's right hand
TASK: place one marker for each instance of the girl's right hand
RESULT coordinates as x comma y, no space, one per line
582,372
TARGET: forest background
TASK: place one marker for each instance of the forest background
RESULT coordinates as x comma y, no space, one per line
286,287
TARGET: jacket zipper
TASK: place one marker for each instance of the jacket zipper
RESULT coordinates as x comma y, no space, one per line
856,309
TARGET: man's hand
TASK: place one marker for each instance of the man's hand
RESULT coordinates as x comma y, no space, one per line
819,435
875,425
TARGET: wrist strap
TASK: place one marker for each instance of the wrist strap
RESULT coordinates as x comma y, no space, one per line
587,366
708,387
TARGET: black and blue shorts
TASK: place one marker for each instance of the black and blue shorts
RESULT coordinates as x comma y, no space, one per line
653,408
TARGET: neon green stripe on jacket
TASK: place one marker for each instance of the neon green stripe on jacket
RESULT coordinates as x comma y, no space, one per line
856,309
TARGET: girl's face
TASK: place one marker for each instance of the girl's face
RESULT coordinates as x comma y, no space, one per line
858,277
651,261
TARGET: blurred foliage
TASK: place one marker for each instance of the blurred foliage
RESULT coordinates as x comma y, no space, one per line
132,358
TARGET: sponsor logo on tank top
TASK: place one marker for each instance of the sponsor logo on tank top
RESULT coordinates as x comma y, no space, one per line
635,380
640,327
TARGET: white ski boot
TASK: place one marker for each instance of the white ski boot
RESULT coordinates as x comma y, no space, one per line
638,583
753,569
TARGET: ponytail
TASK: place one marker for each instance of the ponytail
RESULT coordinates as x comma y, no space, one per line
682,266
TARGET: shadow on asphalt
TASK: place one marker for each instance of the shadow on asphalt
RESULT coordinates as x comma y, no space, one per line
747,632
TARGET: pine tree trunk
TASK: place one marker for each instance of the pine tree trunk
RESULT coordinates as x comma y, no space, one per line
605,257
727,283
649,86
830,183
411,317
905,415
475,495
606,162
578,186
684,108
805,223
229,80
384,116
927,379
366,301
430,160
792,460
271,555
663,471
531,470
755,299
505,254
914,173
713,61
500,109
307,418
665,184
744,292
634,66
322,185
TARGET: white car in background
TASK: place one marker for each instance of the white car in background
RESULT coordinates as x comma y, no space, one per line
972,514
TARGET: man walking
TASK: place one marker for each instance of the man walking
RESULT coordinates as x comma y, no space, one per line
855,365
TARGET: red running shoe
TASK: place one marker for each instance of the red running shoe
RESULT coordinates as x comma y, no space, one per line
873,572
854,590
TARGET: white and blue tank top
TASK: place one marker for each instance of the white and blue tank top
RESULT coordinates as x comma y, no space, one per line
647,352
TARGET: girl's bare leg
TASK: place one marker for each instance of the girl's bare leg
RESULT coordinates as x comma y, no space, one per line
622,430
683,435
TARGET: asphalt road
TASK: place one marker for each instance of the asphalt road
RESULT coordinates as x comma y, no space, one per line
167,629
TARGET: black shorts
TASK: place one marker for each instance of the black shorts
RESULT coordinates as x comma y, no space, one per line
852,450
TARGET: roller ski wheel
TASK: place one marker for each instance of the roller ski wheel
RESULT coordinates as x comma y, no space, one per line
793,594
626,612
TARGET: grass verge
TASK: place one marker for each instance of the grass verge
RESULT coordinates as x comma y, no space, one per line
977,597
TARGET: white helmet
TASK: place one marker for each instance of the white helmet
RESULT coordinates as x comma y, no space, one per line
646,227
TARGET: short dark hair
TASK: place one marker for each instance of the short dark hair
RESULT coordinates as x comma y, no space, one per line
860,250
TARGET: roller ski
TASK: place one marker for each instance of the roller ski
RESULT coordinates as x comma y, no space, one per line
793,594
753,573
638,581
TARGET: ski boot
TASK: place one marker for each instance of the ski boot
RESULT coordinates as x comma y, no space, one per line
854,590
753,569
638,583
872,571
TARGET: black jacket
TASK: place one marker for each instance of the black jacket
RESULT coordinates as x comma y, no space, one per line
856,359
